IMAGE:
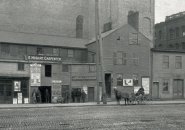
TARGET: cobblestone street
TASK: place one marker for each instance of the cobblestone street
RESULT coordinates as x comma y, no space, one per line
133,117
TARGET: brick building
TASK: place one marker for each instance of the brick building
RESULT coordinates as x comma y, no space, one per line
170,35
168,74
43,45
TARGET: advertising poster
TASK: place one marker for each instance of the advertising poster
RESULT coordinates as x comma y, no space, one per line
19,98
17,85
127,82
56,88
35,71
146,85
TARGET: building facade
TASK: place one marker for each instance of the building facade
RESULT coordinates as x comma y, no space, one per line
43,47
170,35
168,74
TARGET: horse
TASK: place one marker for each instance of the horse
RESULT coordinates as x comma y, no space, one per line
119,95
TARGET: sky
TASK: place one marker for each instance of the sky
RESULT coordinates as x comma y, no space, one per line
165,8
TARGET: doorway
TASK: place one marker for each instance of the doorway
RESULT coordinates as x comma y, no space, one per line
108,85
155,90
6,92
45,92
178,85
91,94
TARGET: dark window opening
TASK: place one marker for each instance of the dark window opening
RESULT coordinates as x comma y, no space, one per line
20,66
48,70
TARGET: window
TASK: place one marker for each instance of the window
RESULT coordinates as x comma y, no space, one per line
165,85
135,59
48,70
120,58
92,68
171,31
178,62
79,26
165,62
160,34
107,27
135,80
20,66
55,52
70,53
183,31
119,79
133,38
177,46
65,68
39,51
183,45
5,49
177,31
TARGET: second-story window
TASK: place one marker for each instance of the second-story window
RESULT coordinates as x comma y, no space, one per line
177,31
40,51
70,53
5,49
178,62
55,52
171,33
165,62
48,70
20,66
160,34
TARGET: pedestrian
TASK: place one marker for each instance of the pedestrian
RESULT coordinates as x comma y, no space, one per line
83,94
38,96
78,94
34,96
73,95
47,96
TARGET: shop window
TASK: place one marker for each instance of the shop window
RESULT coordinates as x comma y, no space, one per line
165,85
135,80
133,38
5,49
40,51
48,70
70,53
165,62
55,52
20,66
65,68
178,62
92,68
119,78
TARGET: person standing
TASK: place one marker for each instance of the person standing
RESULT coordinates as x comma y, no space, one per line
34,96
83,96
47,96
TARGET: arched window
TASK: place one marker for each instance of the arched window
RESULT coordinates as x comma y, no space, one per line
79,26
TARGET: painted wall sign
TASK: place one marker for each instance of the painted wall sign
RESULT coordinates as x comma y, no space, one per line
35,72
146,85
83,77
127,82
44,58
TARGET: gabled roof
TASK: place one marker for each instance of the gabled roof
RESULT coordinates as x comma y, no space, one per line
45,40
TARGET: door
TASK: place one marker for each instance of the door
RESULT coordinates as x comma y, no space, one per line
155,90
6,94
91,94
178,85
108,85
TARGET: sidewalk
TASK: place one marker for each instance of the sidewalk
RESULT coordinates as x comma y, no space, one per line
13,106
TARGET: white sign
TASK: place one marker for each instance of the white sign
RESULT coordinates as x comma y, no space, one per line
17,85
19,98
26,101
146,85
85,88
56,81
14,100
127,82
35,71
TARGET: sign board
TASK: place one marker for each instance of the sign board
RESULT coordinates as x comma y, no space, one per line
35,71
127,82
14,100
56,89
17,85
146,85
26,101
19,98
44,58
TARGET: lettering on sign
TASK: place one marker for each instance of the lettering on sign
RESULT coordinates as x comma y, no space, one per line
44,58
83,78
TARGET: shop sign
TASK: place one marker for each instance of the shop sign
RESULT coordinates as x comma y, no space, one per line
17,85
127,82
44,58
83,78
35,71
19,98
146,85
56,89
57,81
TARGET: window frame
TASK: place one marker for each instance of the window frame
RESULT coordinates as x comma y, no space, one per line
165,62
48,73
20,66
178,62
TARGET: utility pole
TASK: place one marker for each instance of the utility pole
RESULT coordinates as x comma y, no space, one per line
99,57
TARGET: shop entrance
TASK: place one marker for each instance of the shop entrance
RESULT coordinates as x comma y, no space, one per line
178,85
6,92
91,94
45,92
155,90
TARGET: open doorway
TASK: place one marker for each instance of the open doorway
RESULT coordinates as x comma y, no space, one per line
108,84
45,92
